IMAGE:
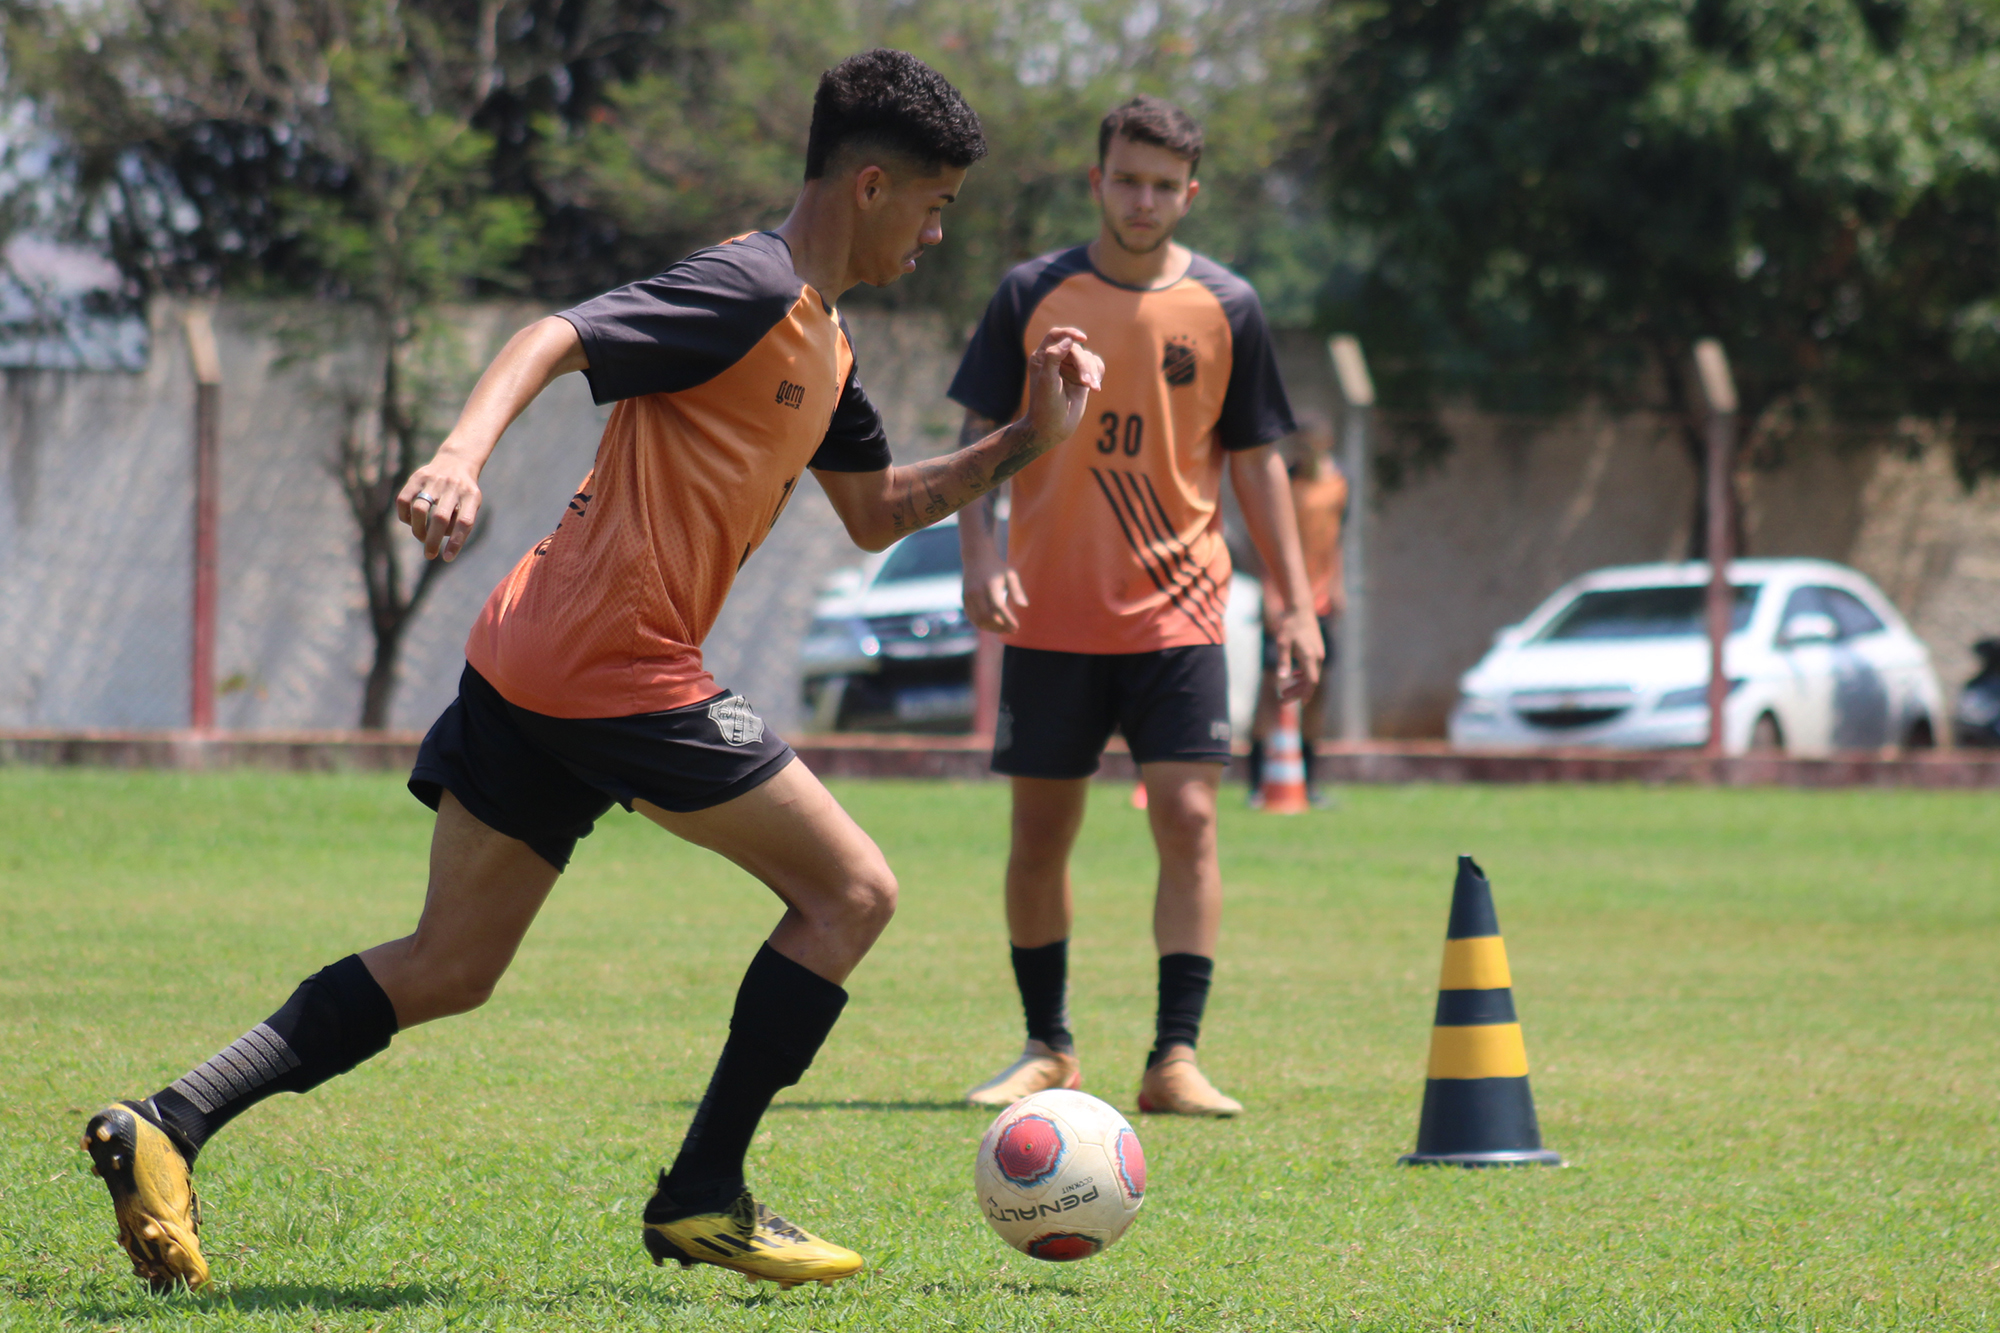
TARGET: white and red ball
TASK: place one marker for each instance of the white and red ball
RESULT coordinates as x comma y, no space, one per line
1060,1175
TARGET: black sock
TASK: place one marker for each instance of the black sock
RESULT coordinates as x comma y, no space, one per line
1184,979
337,1018
1042,973
1256,765
1311,762
783,1014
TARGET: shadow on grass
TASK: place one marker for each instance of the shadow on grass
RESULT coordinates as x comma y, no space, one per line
328,1296
688,1104
975,1289
872,1106
267,1296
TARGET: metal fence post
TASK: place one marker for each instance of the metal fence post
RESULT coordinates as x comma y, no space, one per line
1718,387
1357,393
207,430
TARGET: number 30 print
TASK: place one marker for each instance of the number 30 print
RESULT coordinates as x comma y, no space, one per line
1130,432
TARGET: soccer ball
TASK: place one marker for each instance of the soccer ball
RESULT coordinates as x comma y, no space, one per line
1060,1175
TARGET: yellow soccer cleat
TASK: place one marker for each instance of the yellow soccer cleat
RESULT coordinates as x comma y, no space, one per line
1176,1086
152,1194
1040,1068
745,1238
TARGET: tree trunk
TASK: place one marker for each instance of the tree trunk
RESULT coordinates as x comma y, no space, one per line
1682,404
374,465
381,685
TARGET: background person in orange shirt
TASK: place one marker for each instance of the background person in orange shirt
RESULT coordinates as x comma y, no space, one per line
1319,502
584,685
1112,592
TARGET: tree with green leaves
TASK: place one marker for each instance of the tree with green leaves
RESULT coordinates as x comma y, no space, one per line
416,231
713,141
396,155
347,134
1561,199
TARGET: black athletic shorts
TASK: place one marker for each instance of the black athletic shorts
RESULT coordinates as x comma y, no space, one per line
1058,709
545,780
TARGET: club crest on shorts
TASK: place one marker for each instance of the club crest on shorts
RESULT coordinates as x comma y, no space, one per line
737,722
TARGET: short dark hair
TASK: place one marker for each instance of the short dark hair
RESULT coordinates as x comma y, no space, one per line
893,102
1152,120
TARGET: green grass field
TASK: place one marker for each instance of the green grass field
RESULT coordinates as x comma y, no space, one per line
1762,1026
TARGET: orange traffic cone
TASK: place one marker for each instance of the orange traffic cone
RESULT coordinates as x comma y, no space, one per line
1284,789
1139,795
1478,1110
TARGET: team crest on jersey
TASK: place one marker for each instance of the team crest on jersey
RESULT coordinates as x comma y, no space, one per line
735,720
1177,362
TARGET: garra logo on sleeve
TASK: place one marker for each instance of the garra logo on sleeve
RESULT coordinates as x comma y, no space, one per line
790,395
1177,362
735,720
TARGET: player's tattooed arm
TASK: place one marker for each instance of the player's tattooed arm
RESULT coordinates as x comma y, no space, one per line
926,492
880,507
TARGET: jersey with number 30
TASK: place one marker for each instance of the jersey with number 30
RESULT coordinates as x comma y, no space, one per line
1116,533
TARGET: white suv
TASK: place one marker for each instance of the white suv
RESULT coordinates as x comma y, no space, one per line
1817,661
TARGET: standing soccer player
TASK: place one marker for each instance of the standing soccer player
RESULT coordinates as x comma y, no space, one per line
1319,499
1112,591
584,683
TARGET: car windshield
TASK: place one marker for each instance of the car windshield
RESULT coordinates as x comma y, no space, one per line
922,555
1645,613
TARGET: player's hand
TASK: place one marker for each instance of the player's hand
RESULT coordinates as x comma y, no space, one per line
1061,374
991,596
1301,654
440,501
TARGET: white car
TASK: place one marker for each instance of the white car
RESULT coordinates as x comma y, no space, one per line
890,648
1817,661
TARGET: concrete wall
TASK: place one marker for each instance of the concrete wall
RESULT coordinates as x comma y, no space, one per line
96,530
95,540
1518,506
1935,549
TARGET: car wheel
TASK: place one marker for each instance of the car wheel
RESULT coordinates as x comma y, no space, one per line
1766,738
1919,735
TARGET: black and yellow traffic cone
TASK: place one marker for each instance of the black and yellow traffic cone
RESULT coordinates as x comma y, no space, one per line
1478,1110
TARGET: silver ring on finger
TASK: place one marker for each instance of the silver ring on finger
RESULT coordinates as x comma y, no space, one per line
426,497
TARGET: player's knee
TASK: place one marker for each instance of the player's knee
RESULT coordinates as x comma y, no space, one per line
1185,820
465,987
865,902
871,898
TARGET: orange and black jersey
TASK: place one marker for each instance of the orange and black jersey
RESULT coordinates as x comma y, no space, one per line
731,376
1116,532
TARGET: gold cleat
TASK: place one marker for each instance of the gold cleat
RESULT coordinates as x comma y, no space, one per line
1040,1068
745,1238
1176,1086
152,1194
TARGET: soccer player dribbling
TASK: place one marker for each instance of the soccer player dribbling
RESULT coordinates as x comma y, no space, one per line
1111,594
584,683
